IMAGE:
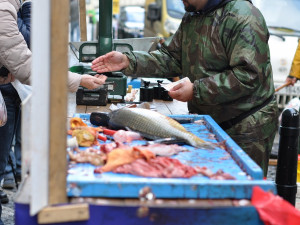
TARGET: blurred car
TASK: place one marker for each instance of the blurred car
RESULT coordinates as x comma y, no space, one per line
163,17
131,22
283,20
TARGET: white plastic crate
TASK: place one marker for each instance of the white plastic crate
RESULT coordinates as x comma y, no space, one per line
285,95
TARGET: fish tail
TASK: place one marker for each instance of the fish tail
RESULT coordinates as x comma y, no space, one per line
199,143
207,145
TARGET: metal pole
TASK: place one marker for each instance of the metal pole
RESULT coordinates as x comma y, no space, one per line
286,173
105,44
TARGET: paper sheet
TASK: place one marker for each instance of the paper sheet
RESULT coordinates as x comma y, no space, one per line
168,87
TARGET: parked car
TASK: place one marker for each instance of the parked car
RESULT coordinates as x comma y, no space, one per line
283,19
131,22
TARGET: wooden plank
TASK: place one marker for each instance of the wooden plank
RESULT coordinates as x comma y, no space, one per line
161,107
82,20
177,107
91,109
66,213
272,162
81,109
164,107
58,101
159,203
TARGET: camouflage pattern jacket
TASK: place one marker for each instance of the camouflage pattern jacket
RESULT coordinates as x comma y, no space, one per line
225,54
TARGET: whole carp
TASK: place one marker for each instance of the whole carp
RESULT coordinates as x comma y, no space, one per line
153,124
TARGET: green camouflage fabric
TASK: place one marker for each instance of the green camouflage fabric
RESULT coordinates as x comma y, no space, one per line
225,54
255,134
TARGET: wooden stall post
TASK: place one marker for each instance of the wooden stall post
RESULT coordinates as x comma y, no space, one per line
58,100
82,20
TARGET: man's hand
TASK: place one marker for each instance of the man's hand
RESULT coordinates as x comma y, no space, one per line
112,61
291,80
92,82
182,92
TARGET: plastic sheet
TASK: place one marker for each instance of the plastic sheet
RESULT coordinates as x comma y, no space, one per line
294,103
3,112
273,209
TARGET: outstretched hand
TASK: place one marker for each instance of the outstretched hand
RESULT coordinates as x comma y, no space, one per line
92,82
112,61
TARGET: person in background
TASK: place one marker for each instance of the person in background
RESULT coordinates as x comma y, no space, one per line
15,65
93,24
74,20
222,47
24,25
295,68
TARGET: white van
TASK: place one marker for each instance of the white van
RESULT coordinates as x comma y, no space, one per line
283,20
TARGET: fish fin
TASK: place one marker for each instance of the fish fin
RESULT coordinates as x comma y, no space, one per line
114,126
149,137
146,136
170,141
129,129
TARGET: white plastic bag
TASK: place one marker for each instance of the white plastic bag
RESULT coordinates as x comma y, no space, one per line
3,112
294,103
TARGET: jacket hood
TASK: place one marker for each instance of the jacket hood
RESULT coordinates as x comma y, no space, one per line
16,4
212,5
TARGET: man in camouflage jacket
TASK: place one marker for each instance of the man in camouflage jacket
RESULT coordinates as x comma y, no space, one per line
222,46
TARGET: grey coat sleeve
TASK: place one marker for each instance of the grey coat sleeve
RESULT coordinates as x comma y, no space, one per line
14,53
74,80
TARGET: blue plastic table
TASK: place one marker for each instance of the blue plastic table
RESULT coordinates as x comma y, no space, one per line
113,198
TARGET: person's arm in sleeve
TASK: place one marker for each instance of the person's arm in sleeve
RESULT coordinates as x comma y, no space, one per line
24,21
295,68
87,81
246,44
14,53
165,62
74,80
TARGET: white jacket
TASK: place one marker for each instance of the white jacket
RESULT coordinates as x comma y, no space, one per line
14,53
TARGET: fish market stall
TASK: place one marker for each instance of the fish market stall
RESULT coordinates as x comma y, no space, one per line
116,198
209,181
199,197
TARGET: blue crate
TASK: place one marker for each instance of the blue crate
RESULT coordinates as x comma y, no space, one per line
136,83
84,183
